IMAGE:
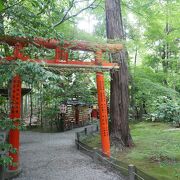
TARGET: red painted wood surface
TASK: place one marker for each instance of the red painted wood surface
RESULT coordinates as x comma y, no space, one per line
94,113
61,51
15,113
53,43
61,58
103,114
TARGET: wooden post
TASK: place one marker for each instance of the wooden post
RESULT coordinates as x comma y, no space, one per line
97,128
77,140
85,131
131,172
57,54
104,130
15,113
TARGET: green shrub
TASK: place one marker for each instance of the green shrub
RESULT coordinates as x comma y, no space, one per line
5,125
147,86
166,109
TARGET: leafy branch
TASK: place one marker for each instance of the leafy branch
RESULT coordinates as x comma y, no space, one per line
72,4
16,3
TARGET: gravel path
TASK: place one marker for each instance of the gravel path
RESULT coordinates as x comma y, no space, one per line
53,156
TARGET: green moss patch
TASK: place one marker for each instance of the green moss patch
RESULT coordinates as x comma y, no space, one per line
156,151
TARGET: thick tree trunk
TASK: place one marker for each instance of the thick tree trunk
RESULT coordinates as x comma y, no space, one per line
120,134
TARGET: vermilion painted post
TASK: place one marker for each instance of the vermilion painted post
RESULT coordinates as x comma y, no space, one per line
102,109
64,55
15,113
57,54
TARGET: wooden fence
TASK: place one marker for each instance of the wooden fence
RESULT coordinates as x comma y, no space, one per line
129,171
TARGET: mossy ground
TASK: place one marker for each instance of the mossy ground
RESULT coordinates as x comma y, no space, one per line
156,150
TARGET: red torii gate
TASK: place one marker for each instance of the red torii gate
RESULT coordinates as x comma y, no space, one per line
60,60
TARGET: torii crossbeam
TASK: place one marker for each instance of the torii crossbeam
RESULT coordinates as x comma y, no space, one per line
60,60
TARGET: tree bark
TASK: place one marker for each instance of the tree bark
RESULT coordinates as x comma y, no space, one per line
120,133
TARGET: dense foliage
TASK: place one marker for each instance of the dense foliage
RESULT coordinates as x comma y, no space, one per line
167,109
152,33
152,39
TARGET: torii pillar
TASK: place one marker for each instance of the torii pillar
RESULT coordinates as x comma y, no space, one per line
15,114
104,130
